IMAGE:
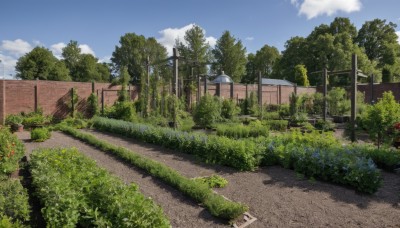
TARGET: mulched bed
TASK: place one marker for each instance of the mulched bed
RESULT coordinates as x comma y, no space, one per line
277,197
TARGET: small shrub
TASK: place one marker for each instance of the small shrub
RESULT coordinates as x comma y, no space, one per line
11,151
14,201
93,105
208,111
271,115
326,125
276,125
40,134
229,109
13,119
213,181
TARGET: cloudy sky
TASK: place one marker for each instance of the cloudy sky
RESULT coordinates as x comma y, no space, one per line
97,25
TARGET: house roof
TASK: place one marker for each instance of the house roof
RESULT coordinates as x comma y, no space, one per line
223,78
270,81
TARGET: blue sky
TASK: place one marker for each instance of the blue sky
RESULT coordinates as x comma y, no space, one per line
97,25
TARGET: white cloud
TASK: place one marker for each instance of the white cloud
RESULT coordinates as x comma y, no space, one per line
169,35
16,47
85,49
7,66
105,59
249,38
398,36
315,8
57,49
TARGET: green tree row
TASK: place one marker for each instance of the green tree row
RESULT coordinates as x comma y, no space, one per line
329,46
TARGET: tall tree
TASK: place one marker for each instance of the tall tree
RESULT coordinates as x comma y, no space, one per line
300,74
40,63
379,40
251,73
265,60
230,56
295,53
71,55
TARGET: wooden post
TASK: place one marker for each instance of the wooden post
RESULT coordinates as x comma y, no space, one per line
247,91
102,101
232,85
175,58
72,103
218,92
205,85
36,107
198,89
325,90
372,89
353,97
280,94
92,86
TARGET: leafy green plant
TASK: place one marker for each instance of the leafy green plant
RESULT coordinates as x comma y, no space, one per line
74,190
276,125
236,131
93,105
14,201
33,119
13,119
213,181
229,109
338,102
125,111
40,134
208,111
11,151
381,117
326,125
216,204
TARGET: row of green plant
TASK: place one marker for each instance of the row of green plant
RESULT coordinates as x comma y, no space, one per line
319,156
11,151
236,131
14,205
240,154
76,192
200,192
213,181
289,150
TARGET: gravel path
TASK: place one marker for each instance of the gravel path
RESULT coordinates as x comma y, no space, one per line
181,211
276,196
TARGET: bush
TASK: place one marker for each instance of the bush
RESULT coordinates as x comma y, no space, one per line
14,201
93,105
11,151
216,204
40,134
213,181
229,109
14,120
321,156
36,119
125,111
236,131
208,111
75,122
76,192
276,125
326,125
271,115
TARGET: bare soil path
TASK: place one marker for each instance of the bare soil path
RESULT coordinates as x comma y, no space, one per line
276,196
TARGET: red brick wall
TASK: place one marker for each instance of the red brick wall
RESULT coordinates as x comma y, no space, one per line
52,96
378,90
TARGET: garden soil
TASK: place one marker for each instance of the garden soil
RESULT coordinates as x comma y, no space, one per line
277,197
